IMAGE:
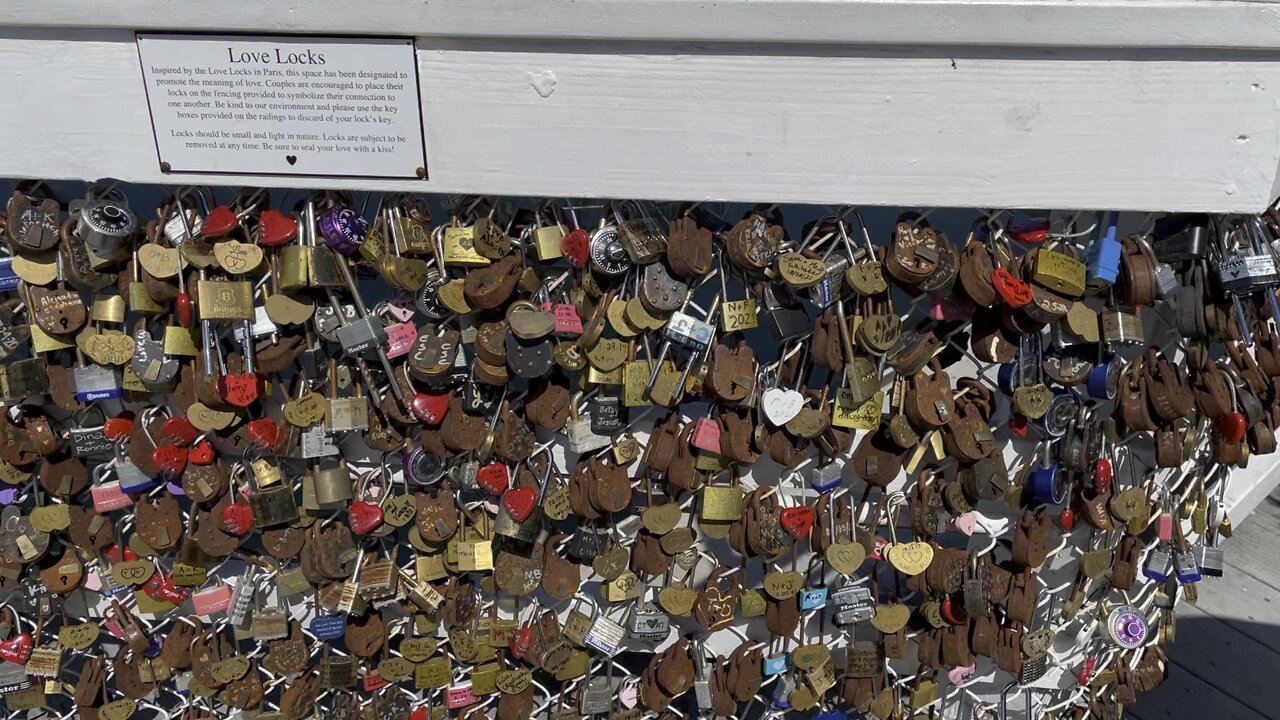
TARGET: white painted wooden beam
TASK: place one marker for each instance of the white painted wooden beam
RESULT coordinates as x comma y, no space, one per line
910,102
1044,23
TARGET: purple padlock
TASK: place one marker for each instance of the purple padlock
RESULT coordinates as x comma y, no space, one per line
343,229
422,467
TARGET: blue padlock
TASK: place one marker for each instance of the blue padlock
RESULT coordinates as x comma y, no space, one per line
1104,378
1102,257
328,627
773,664
1046,483
8,278
814,597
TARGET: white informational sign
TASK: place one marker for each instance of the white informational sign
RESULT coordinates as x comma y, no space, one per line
268,105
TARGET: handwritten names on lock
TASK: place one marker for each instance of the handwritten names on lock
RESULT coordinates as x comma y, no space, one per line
282,105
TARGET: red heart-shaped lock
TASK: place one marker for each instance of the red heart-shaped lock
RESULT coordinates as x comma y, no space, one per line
1231,426
1018,424
113,554
430,408
180,431
183,303
364,517
520,640
263,432
16,649
276,228
219,222
160,587
797,521
201,453
519,502
1013,291
951,613
237,519
171,459
118,427
1066,519
577,247
421,713
239,390
493,477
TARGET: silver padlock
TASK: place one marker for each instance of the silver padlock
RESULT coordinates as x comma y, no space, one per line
95,382
1159,565
596,698
605,635
853,603
647,622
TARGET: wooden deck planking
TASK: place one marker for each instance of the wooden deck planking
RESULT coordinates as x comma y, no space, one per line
1228,645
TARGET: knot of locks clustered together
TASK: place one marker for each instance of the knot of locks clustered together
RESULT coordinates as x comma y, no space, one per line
670,464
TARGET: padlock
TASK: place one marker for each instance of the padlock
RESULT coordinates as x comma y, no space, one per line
721,503
333,485
274,505
95,382
813,596
1159,565
337,672
605,635
647,622
1102,257
852,604
578,624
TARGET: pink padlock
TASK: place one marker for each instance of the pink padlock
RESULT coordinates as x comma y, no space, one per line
400,337
108,496
1164,526
461,697
213,600
944,309
568,324
401,308
706,435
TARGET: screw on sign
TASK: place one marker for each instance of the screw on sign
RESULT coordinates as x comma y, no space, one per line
579,405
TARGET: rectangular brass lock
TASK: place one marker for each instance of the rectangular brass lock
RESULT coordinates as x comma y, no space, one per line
1058,272
721,502
225,300
546,241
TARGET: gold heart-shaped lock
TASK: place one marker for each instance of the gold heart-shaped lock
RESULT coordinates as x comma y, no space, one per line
160,262
661,519
800,271
306,410
285,310
452,297
782,585
608,354
846,556
36,270
78,637
236,257
677,600
890,619
206,419
910,558
109,347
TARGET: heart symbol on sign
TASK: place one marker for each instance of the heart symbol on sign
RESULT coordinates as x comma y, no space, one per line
276,228
171,459
797,521
219,222
430,408
291,159
519,502
493,477
364,517
16,649
781,406
237,519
